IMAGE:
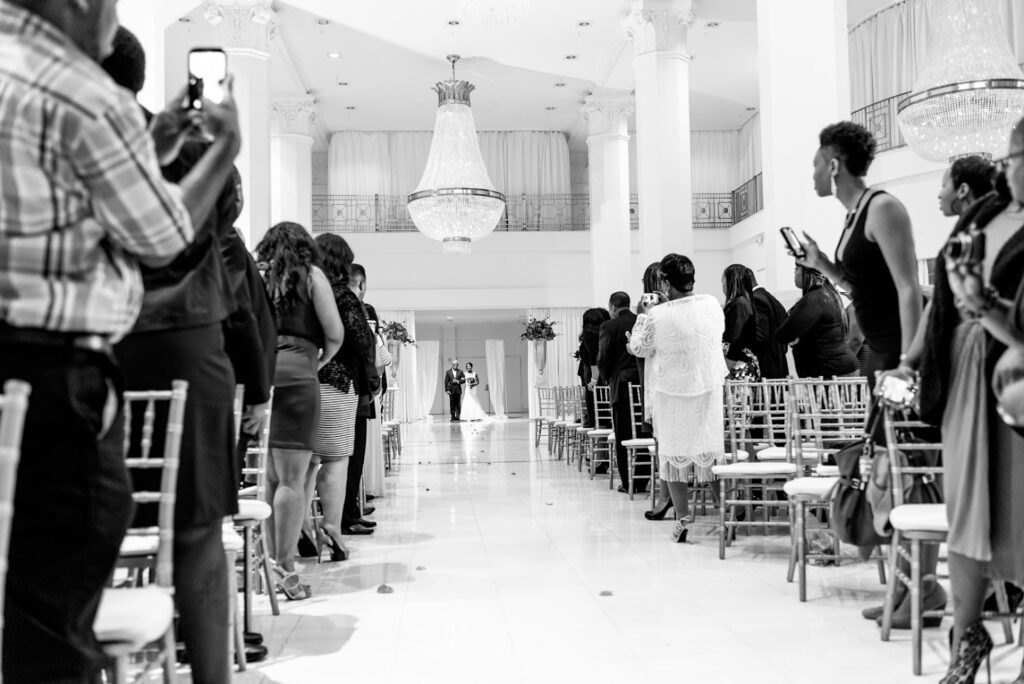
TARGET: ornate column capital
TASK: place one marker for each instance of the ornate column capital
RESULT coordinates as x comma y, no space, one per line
245,25
659,26
293,117
607,115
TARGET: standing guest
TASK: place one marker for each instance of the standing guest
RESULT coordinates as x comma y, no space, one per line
966,333
352,521
653,284
768,316
87,196
344,379
855,339
373,463
618,367
681,339
965,181
454,379
876,263
817,329
588,373
740,336
309,333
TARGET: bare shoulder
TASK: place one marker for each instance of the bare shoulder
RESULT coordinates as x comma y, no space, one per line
887,215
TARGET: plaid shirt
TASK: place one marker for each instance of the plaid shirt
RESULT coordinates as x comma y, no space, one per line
81,193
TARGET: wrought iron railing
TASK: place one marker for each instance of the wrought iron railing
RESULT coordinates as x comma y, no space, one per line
390,213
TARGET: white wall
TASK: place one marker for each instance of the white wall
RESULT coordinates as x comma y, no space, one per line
465,342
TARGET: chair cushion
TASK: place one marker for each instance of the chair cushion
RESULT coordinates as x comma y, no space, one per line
753,469
139,545
599,432
133,617
772,453
741,455
251,509
826,471
920,517
810,487
232,540
636,443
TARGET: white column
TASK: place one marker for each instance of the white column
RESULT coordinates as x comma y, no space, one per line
658,29
608,148
804,86
246,30
291,162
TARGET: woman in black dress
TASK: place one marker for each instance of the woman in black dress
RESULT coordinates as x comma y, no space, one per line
740,336
587,354
309,333
817,328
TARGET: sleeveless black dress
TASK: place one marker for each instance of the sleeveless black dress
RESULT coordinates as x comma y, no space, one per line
872,289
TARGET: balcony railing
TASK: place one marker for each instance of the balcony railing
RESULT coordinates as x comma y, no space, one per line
390,213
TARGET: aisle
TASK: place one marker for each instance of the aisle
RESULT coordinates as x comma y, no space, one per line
509,567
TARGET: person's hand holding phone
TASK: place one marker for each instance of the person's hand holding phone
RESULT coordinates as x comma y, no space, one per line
221,119
171,127
812,258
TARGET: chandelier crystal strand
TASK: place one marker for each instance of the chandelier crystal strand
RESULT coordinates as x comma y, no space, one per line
970,92
494,12
455,201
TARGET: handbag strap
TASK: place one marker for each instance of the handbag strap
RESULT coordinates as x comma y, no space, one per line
871,425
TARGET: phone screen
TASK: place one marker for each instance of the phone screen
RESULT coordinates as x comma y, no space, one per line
207,69
792,241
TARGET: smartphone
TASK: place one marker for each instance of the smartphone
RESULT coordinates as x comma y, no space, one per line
207,70
898,392
649,298
793,242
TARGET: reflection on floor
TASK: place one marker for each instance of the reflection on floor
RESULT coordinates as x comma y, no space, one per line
508,566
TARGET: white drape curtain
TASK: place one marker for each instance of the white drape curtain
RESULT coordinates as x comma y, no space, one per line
392,162
749,161
714,161
428,359
888,49
496,380
406,380
560,369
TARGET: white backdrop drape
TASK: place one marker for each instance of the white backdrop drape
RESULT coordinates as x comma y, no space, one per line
560,369
392,162
496,380
888,49
406,380
428,358
720,161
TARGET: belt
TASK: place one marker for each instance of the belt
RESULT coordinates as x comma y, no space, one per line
99,344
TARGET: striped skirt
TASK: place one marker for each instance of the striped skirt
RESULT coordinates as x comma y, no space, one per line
335,434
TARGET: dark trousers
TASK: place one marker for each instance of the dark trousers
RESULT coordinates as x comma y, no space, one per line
591,410
455,404
352,513
72,505
622,415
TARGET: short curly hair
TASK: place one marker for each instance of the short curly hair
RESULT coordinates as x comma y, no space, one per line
851,143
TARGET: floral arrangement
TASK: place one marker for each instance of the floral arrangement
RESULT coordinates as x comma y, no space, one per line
539,329
393,330
474,381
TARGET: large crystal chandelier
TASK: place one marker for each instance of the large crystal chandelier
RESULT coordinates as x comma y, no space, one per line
970,92
455,201
494,12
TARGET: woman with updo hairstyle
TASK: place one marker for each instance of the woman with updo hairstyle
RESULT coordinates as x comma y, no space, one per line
817,328
587,355
681,342
965,181
309,333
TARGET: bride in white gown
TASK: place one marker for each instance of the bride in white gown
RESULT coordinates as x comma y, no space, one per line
471,409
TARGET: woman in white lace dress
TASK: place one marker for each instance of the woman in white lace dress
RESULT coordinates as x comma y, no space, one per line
681,340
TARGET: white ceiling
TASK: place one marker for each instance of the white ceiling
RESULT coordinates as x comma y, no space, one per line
392,51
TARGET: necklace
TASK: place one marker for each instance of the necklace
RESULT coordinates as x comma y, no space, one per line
852,214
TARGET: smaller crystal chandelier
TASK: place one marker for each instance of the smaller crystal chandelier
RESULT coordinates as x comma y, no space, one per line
455,201
970,92
494,12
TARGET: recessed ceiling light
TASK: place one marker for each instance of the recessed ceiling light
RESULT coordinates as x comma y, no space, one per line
560,84
343,83
550,109
570,57
454,22
583,24
334,55
322,22
185,20
712,24
751,109
350,108
449,318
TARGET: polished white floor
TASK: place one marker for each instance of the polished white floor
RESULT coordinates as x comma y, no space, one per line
507,566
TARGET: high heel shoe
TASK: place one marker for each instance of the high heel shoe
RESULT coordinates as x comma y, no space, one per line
338,552
975,645
290,585
307,547
680,532
660,513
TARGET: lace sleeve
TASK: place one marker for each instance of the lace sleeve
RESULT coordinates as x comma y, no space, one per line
641,340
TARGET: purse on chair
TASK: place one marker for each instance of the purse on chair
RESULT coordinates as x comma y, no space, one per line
917,488
852,516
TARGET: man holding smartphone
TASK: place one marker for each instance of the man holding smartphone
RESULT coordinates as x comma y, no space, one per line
82,204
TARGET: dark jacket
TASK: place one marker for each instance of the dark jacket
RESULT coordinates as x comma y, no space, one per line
588,355
817,321
770,352
1006,277
740,328
616,365
454,380
355,362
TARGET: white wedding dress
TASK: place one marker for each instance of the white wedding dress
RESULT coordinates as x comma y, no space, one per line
471,409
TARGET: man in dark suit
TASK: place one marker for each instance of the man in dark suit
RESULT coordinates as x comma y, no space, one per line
454,379
618,367
768,315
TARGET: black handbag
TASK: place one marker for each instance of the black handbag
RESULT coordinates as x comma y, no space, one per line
852,515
